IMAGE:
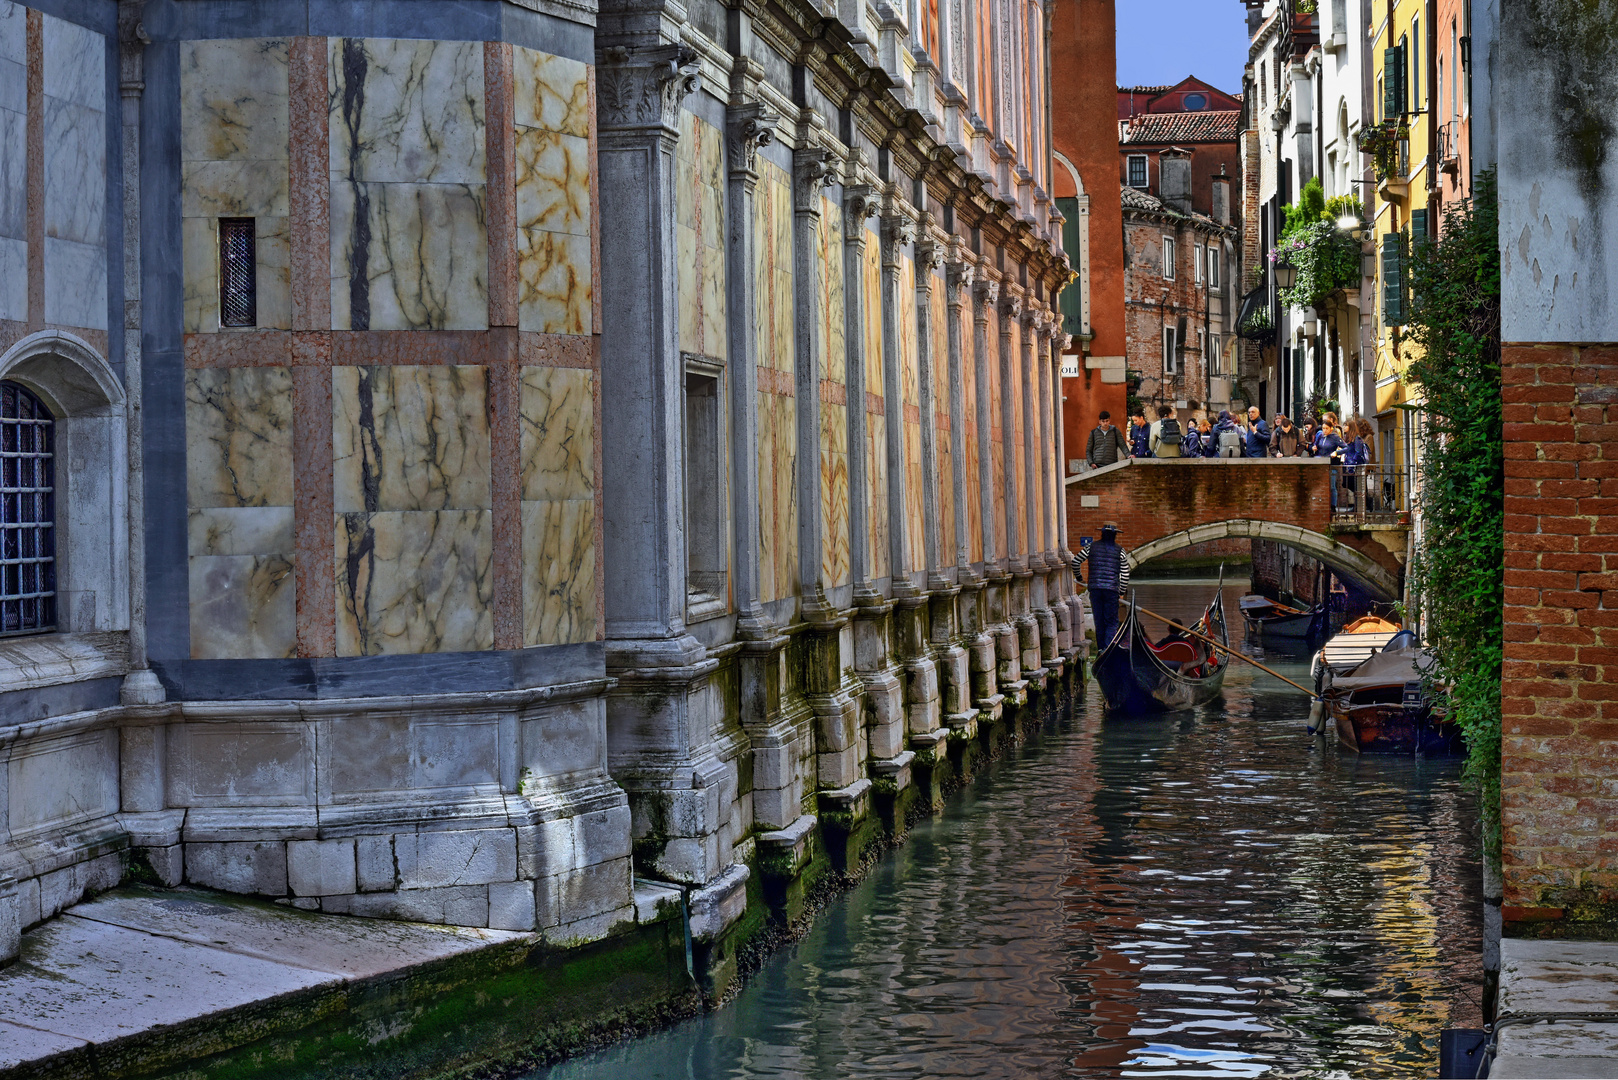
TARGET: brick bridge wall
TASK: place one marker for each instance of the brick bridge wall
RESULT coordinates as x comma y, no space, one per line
1559,686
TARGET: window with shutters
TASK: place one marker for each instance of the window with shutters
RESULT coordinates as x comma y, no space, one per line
238,272
1393,292
1171,364
27,513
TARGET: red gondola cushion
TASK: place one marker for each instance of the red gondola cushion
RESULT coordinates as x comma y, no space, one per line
1176,652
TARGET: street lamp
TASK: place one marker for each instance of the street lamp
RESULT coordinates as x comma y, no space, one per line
1286,275
1351,224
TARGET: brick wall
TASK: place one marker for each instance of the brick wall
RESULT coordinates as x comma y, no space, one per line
1559,687
1251,358
1152,500
1145,316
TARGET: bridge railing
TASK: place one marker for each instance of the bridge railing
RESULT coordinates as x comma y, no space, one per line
1374,494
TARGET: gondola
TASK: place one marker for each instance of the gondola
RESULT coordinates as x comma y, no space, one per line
1137,675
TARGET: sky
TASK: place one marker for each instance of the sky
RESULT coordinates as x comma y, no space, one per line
1163,41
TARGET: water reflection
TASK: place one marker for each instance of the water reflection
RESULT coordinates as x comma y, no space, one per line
1211,893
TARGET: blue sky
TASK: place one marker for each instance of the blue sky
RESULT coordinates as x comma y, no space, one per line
1163,41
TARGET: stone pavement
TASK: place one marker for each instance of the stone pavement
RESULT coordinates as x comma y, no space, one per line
135,960
1557,978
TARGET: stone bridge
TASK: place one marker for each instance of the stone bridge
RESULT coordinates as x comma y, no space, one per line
1162,506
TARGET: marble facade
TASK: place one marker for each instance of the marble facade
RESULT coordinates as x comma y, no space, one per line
423,626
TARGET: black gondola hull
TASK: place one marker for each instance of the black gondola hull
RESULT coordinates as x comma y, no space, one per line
1134,680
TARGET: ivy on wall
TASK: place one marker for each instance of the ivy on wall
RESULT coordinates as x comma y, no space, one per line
1457,576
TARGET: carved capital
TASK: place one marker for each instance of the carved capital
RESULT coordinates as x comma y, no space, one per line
859,202
898,229
811,171
641,88
1011,306
1067,341
985,292
1033,320
957,282
747,127
929,254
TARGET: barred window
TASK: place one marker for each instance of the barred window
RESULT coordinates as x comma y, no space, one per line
27,513
238,265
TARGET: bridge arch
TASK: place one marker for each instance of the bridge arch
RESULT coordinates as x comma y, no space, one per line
1340,557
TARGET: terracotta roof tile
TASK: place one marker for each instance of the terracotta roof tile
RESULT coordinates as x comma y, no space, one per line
1180,127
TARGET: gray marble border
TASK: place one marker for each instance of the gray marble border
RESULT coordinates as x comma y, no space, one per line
329,678
436,20
45,702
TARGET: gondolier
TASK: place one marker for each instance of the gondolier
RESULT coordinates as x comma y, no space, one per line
1109,578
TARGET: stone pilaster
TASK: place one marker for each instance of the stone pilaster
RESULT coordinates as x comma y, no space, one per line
859,203
811,169
1015,625
988,673
1032,613
660,713
898,232
1042,451
928,255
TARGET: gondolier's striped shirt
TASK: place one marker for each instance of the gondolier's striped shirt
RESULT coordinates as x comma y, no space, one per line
1082,556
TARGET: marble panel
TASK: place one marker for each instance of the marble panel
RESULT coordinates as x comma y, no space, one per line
559,568
685,189
410,438
829,266
13,166
974,496
997,462
873,313
13,279
407,112
834,555
784,549
252,188
550,92
689,277
915,547
414,582
234,103
946,499
75,63
553,282
409,256
199,254
715,337
876,471
240,530
553,182
909,371
243,607
13,50
75,172
75,284
238,425
558,433
273,259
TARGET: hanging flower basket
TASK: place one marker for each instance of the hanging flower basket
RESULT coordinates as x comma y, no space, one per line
1382,143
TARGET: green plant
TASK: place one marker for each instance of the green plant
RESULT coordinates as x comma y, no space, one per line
1307,7
1456,575
1344,206
1257,326
1326,260
1308,210
1381,142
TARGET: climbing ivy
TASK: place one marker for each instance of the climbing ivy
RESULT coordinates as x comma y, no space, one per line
1457,573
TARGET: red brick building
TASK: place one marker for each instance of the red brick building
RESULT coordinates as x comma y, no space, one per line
1190,116
1084,137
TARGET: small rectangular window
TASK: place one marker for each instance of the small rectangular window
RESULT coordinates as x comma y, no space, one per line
238,272
1215,255
1137,170
1170,360
1213,354
1196,262
1168,258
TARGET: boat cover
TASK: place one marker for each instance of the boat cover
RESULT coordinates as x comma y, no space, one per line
1394,667
1346,651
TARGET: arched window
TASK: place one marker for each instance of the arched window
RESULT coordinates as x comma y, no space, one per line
27,513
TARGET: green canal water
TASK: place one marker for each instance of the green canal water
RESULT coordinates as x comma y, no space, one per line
1204,894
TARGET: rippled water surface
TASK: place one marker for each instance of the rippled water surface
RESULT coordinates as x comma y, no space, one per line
1201,894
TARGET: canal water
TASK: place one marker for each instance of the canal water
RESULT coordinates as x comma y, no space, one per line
1205,894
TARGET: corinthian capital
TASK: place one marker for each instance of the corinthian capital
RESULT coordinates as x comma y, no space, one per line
811,169
928,255
1011,306
985,292
897,228
859,203
644,87
957,281
748,127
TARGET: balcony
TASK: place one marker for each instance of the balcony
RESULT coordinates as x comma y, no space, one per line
1371,497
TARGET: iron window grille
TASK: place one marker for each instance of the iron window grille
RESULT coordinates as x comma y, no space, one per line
27,513
238,279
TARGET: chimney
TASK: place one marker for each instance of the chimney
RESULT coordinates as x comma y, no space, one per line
1174,179
1221,199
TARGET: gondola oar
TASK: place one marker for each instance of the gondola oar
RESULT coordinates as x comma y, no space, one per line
1226,649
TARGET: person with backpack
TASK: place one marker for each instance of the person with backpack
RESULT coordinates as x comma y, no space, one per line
1165,437
1191,445
1139,436
1331,445
1228,440
1106,445
1206,443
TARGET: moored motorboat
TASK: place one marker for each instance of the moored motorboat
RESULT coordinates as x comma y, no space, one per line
1380,706
1178,671
1352,646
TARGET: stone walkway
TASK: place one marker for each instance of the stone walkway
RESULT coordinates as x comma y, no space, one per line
134,961
1557,978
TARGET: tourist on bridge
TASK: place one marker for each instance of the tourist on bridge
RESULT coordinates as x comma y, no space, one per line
1106,445
1165,437
1287,440
1109,578
1227,436
1206,443
1191,445
1258,434
1140,435
1331,445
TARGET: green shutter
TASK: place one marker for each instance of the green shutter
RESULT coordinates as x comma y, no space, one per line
1393,278
1418,225
1072,322
1395,82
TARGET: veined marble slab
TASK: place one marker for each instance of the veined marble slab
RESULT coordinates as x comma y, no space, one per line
829,267
238,437
414,582
408,256
551,92
876,471
234,100
834,557
408,112
13,50
559,567
410,438
553,282
13,279
553,181
243,606
13,163
873,313
558,433
700,238
74,63
240,530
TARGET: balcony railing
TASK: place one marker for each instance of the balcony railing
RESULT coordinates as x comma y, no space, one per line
1374,494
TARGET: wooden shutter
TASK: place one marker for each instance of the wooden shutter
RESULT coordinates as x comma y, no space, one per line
1393,294
1395,80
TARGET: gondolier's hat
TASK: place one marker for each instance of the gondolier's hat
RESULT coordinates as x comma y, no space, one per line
1105,525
